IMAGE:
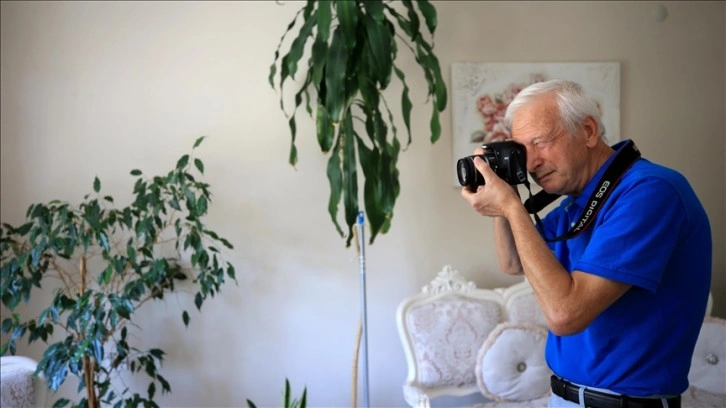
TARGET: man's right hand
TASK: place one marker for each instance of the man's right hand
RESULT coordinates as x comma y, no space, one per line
495,197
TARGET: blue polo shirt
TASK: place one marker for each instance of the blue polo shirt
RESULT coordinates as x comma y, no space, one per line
653,233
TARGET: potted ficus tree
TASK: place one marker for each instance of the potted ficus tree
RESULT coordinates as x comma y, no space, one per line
351,63
106,263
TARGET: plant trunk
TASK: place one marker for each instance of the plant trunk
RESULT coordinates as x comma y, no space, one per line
88,365
88,368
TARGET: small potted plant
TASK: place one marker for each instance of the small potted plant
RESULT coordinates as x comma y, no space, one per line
107,263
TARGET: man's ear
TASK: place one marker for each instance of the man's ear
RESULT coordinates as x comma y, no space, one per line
591,131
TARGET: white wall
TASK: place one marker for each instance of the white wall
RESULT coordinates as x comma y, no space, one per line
99,88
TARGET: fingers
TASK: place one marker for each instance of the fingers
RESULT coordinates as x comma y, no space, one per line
484,169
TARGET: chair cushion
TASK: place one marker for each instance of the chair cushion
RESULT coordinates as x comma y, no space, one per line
523,307
446,335
708,365
511,366
16,382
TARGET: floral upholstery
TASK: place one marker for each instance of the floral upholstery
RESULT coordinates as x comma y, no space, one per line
19,388
442,329
522,306
447,334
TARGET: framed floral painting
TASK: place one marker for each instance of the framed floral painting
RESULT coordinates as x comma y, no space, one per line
481,93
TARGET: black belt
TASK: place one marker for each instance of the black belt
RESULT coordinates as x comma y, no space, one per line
596,399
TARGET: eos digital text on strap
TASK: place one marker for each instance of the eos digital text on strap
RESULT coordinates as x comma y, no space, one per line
624,158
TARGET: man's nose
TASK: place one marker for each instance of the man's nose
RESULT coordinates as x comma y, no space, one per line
533,160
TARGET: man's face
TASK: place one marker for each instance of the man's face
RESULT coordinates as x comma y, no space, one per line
556,159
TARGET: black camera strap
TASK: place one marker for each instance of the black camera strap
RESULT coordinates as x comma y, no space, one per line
624,158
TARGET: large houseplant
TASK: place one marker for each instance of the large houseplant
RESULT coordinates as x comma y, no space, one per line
107,263
351,62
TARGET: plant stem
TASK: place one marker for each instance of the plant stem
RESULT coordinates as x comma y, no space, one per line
88,365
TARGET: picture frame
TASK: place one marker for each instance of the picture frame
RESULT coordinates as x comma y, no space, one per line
481,91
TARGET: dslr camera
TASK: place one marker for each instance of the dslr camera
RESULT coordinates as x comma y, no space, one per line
507,158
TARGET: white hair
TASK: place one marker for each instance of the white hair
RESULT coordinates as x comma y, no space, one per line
573,103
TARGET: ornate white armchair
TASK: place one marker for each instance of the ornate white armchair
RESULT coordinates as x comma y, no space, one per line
461,340
19,388
442,329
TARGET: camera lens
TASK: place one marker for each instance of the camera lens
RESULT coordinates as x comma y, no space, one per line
463,172
467,173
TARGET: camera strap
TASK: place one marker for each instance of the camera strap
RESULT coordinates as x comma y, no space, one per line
624,158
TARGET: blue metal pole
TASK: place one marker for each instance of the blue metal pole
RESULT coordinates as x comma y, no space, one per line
364,318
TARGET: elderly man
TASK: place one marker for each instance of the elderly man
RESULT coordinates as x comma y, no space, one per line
625,296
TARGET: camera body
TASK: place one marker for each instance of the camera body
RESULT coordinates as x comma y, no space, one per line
507,158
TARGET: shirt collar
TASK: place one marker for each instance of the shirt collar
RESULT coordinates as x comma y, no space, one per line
582,200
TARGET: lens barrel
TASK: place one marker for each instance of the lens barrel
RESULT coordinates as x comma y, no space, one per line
467,173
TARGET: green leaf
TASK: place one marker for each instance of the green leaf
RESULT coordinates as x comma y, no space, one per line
375,10
182,162
202,206
96,184
319,56
348,18
379,38
325,129
304,398
287,398
350,176
335,70
136,172
439,86
198,141
406,105
273,67
292,159
290,60
231,271
151,390
62,402
320,45
335,179
199,165
105,277
23,229
429,13
7,325
414,22
185,318
435,125
372,187
324,19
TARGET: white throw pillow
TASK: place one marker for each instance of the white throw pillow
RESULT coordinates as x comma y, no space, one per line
511,365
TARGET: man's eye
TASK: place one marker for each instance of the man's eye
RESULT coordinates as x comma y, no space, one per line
541,144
